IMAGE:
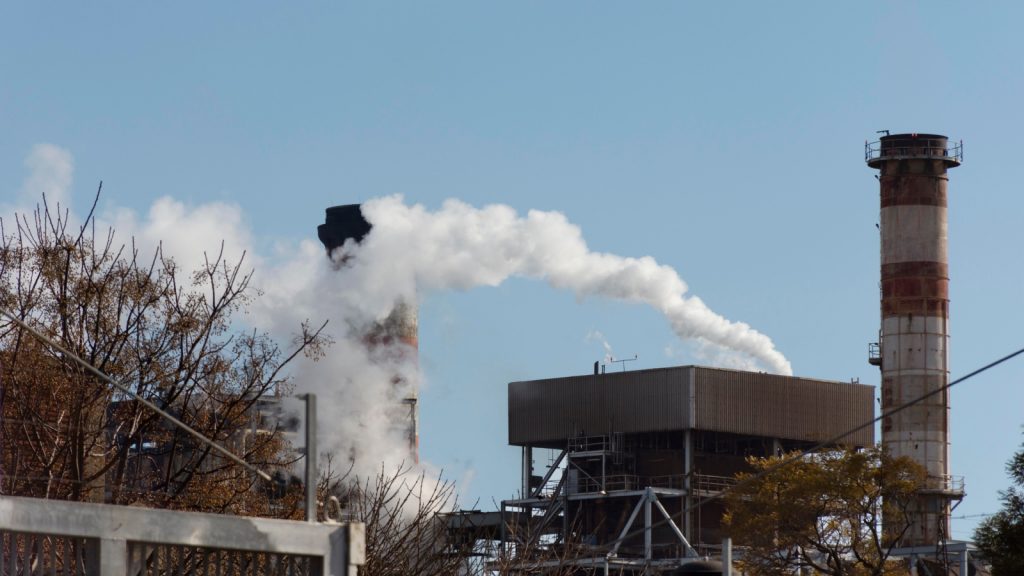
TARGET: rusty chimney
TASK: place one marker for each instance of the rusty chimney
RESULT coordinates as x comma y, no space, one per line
913,347
401,325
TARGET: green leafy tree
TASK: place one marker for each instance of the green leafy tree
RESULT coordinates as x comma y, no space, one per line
1001,537
824,512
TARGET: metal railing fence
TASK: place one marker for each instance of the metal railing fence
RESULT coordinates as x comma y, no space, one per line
82,539
914,148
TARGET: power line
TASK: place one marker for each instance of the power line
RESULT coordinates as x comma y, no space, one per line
166,415
969,516
829,442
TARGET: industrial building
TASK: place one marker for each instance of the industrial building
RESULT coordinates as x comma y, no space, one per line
637,450
635,455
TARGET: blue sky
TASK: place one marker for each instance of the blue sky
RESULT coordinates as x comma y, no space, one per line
725,140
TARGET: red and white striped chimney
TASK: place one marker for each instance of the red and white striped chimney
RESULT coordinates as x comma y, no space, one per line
913,351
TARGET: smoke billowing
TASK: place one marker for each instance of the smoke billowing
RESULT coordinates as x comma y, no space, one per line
461,247
410,252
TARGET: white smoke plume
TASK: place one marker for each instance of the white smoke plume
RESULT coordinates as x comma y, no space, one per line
409,252
597,336
189,234
460,247
50,169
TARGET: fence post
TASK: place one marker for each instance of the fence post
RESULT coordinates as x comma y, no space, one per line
727,556
106,556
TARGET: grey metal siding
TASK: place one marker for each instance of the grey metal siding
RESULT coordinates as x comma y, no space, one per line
553,410
556,409
781,406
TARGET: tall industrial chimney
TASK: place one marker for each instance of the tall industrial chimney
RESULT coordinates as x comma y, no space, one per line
401,326
913,350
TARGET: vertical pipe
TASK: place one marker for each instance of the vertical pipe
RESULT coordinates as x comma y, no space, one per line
311,468
604,472
527,470
504,534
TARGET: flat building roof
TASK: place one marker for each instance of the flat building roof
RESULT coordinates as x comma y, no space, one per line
548,412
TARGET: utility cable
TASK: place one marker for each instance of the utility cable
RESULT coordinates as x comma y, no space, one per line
829,442
166,415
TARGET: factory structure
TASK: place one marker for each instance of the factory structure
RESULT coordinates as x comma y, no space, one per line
625,465
640,452
913,347
639,455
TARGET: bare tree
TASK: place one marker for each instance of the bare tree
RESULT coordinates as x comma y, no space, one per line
408,530
67,435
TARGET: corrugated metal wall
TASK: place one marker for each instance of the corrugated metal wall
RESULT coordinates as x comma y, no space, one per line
551,411
780,406
556,409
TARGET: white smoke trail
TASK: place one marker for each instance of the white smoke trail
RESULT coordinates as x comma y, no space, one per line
597,336
411,250
50,170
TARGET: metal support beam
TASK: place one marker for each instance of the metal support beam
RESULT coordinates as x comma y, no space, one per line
547,476
688,482
690,552
648,546
625,529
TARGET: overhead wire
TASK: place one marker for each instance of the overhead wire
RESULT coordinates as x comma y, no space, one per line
817,447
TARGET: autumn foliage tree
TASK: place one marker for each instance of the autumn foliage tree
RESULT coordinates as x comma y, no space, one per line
171,336
838,512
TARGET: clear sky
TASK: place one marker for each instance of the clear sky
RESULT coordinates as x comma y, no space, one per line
723,139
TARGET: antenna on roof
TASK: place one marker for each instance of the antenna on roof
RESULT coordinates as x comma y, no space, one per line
623,361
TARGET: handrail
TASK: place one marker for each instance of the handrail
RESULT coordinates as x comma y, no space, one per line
618,482
914,148
948,483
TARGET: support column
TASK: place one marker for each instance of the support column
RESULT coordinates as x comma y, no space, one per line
527,470
688,499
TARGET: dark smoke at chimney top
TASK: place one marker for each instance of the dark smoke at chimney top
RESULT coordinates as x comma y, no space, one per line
341,223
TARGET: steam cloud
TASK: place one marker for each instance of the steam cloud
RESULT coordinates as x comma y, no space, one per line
410,251
461,247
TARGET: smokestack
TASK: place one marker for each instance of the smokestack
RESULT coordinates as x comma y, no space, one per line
913,350
401,325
